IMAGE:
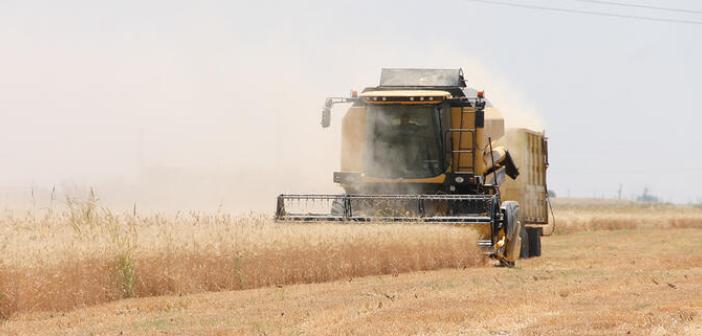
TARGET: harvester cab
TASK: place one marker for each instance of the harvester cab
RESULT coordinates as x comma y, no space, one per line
422,147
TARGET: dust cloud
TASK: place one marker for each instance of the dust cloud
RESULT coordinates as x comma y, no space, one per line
229,141
235,157
173,136
518,110
186,124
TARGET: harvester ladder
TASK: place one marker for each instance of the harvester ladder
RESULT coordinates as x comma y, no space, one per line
457,151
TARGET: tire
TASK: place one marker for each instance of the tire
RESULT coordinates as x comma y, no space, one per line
525,251
534,235
512,248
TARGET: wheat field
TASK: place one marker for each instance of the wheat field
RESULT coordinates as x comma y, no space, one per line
577,215
81,255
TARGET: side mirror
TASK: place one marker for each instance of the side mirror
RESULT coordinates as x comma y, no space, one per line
479,118
480,110
326,113
326,117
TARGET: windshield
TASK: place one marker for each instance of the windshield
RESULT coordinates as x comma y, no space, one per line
404,141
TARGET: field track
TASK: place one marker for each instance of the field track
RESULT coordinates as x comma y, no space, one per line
621,282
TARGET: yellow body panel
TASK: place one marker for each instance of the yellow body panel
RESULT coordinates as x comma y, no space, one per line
528,152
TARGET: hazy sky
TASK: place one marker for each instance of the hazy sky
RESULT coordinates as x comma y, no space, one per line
226,87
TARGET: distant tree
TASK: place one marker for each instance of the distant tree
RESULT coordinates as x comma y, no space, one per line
647,198
551,193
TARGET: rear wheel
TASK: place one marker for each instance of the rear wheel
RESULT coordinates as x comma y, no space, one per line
534,239
525,251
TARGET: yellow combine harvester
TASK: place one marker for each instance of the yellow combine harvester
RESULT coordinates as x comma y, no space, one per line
423,148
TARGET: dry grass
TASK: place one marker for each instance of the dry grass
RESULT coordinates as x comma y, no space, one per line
83,255
59,260
625,282
574,215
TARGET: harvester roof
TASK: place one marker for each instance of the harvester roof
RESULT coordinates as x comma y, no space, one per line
448,80
435,78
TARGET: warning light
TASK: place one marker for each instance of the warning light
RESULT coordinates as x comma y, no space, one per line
481,94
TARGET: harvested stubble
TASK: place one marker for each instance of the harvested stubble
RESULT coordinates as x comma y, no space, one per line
54,261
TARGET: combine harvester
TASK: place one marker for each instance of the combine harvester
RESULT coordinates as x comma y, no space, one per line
423,148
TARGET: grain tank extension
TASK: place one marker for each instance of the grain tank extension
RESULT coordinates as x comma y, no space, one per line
422,147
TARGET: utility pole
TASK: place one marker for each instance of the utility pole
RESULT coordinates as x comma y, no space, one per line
619,192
